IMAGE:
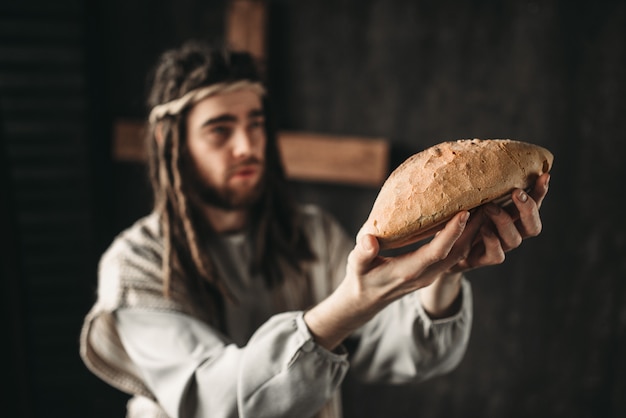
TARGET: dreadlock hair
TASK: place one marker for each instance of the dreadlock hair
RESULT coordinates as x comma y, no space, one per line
276,234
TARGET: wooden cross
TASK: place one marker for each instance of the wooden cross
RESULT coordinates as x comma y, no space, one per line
307,156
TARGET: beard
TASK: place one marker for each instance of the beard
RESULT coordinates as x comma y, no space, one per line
227,197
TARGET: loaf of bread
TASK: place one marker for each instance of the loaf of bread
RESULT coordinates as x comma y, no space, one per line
433,185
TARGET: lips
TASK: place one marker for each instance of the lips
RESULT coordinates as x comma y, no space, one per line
246,171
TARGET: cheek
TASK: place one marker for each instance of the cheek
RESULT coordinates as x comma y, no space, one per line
207,164
260,144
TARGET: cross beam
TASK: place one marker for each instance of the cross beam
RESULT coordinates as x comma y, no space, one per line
306,156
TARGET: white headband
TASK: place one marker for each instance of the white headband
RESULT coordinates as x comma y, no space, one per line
175,106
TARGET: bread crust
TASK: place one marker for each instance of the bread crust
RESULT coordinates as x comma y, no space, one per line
431,186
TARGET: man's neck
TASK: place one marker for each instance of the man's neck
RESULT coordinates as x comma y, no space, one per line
225,220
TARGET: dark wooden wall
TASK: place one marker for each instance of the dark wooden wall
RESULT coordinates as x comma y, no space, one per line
549,337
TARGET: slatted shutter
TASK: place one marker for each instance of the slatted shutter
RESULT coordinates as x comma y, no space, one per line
47,187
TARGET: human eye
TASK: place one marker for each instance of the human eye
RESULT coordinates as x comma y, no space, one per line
218,134
220,130
257,123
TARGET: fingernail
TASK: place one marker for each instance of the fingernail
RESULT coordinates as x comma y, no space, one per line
464,218
522,196
547,182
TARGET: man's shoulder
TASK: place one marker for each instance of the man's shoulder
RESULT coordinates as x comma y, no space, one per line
130,272
145,228
319,221
310,210
314,217
143,239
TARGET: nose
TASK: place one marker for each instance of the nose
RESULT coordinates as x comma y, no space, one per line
242,143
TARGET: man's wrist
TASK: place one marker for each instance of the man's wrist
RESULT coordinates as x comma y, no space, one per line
442,298
450,279
337,316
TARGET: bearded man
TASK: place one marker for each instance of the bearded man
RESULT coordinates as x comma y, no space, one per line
232,300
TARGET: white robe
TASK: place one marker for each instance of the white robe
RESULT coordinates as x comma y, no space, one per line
266,364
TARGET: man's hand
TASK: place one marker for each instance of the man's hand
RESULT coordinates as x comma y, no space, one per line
504,229
373,281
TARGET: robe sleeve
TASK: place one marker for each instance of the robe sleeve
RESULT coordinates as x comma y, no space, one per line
402,344
195,372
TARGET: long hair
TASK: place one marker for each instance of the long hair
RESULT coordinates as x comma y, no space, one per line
277,237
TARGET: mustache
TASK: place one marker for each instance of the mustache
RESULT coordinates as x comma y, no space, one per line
247,163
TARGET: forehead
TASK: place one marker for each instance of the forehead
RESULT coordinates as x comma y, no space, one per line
237,103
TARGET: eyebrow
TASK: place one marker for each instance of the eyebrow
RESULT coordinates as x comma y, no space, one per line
228,117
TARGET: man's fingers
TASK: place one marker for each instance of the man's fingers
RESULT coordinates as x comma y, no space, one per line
539,191
433,255
486,250
529,223
492,251
364,253
512,230
505,226
430,257
441,245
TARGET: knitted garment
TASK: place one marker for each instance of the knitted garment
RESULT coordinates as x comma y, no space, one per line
130,276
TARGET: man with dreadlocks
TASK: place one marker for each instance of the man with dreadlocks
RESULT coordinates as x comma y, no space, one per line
230,300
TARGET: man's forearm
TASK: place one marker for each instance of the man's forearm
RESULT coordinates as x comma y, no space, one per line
334,319
440,299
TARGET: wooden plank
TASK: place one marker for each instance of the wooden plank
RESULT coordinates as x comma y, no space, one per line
306,156
129,141
246,27
335,159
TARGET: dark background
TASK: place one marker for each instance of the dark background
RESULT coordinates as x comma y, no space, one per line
549,336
